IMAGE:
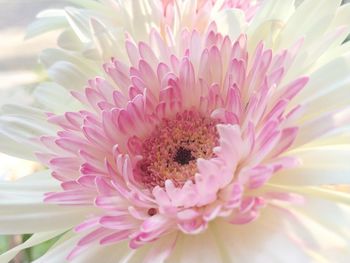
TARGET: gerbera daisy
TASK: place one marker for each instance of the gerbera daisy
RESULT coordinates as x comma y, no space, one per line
213,146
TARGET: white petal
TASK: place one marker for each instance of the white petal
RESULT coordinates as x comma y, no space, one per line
272,10
333,122
79,23
91,4
338,137
310,58
13,148
106,42
265,240
316,16
22,209
336,97
24,127
319,166
69,40
35,183
326,223
313,191
55,98
92,254
15,109
19,126
328,213
161,249
230,22
48,20
60,250
327,78
197,248
341,17
68,75
268,22
51,56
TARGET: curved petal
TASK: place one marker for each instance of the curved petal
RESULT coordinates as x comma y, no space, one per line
197,248
161,250
333,122
320,14
19,126
326,223
269,20
319,166
313,191
325,79
22,209
50,96
230,22
329,213
268,237
109,254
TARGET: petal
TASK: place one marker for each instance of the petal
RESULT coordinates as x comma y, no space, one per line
60,251
19,126
230,22
51,97
313,191
48,20
328,213
325,82
264,240
22,209
326,124
319,13
319,166
161,249
196,248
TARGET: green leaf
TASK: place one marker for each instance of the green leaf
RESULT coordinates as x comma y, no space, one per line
4,244
39,250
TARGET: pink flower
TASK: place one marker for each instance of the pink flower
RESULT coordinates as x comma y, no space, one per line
194,144
175,140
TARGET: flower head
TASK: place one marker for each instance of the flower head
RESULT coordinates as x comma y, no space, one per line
204,139
176,139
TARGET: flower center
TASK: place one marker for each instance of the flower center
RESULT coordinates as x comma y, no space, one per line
171,151
183,156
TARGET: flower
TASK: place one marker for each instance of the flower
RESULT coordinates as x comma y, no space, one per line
93,33
210,146
157,160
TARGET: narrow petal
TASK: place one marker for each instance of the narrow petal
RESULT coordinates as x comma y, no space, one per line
319,166
22,209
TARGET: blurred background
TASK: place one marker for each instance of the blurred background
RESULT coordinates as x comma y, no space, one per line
19,73
19,66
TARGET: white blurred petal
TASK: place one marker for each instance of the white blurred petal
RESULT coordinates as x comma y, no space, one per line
265,240
22,209
50,96
230,22
196,248
319,166
19,126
